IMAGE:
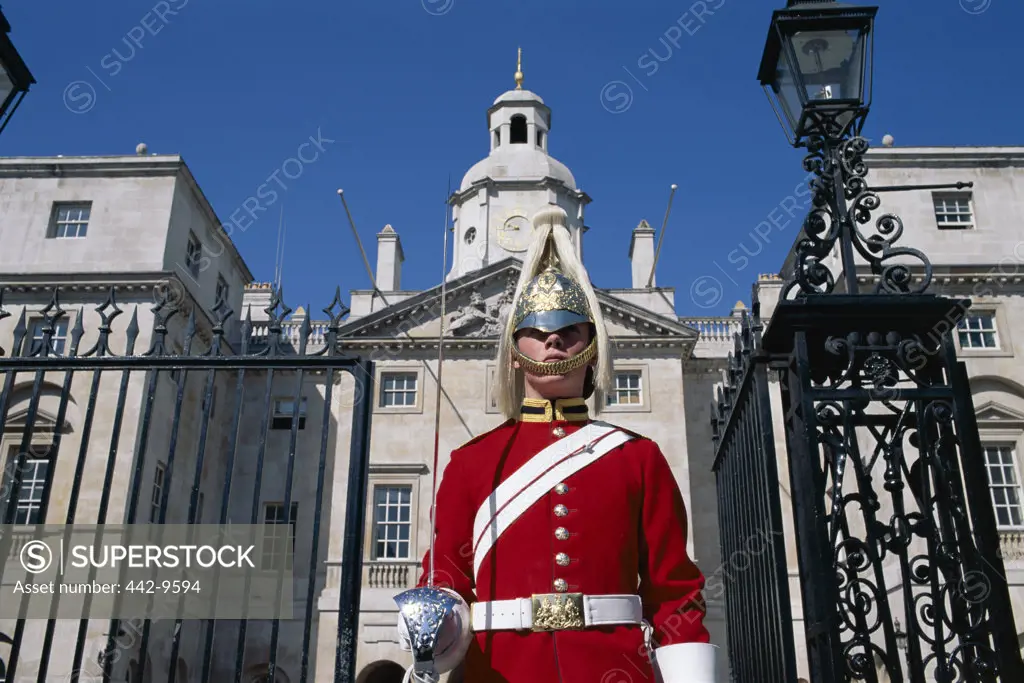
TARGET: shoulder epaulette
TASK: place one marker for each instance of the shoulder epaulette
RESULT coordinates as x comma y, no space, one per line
632,433
480,437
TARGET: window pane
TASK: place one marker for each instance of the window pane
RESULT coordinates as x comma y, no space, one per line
996,475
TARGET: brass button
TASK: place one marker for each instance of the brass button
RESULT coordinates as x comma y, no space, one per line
561,586
562,488
562,559
562,534
558,431
561,511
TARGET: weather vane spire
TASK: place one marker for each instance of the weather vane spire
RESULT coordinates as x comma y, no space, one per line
519,71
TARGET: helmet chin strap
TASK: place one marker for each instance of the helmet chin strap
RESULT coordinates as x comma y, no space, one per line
558,367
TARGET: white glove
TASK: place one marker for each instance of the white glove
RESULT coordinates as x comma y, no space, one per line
686,663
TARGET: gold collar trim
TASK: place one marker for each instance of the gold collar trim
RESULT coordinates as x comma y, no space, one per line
543,410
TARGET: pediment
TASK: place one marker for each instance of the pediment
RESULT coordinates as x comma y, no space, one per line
994,414
44,422
476,305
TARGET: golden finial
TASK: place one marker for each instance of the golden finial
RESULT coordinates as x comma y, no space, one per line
519,71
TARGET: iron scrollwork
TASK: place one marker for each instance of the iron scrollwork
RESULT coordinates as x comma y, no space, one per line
883,411
842,202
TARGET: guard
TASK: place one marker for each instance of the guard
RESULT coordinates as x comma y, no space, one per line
560,545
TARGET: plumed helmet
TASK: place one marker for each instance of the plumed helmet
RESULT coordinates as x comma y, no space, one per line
554,291
550,302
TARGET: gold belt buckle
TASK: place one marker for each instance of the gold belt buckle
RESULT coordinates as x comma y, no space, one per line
557,611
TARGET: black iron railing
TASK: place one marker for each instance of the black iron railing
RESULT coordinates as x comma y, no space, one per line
127,409
758,607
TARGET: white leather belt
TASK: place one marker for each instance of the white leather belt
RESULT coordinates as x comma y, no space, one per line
557,612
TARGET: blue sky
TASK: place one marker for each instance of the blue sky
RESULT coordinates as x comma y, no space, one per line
401,90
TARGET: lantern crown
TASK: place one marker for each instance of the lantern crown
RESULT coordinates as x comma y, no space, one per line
816,67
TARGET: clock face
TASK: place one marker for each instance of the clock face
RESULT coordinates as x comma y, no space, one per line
515,233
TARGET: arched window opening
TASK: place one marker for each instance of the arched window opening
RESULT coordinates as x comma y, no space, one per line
540,139
497,138
518,130
382,671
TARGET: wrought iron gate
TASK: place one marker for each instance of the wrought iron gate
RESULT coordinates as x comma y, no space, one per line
111,434
893,517
758,611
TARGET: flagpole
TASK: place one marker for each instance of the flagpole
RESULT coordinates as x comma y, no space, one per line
440,365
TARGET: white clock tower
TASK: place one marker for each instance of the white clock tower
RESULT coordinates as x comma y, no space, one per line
499,194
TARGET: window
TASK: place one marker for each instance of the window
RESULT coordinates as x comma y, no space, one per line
193,254
58,338
70,221
392,525
34,492
497,138
517,132
222,291
283,411
157,498
470,235
398,389
627,390
1001,464
278,536
953,211
978,331
540,139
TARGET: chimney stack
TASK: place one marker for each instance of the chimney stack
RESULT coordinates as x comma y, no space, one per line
641,255
389,260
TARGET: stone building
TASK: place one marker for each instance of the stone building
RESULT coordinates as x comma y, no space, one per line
74,222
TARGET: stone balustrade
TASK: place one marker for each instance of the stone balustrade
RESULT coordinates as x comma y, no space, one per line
291,332
714,328
396,574
1011,545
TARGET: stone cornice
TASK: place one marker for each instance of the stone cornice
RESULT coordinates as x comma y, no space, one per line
38,287
962,276
491,344
944,157
71,281
512,184
113,166
398,468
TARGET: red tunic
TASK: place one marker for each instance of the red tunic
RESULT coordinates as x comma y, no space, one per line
627,531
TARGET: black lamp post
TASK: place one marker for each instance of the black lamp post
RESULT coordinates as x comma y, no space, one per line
888,485
15,78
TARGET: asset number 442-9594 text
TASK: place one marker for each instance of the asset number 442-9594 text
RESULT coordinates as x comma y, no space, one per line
165,586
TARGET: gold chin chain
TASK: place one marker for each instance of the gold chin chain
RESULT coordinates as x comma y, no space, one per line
558,367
